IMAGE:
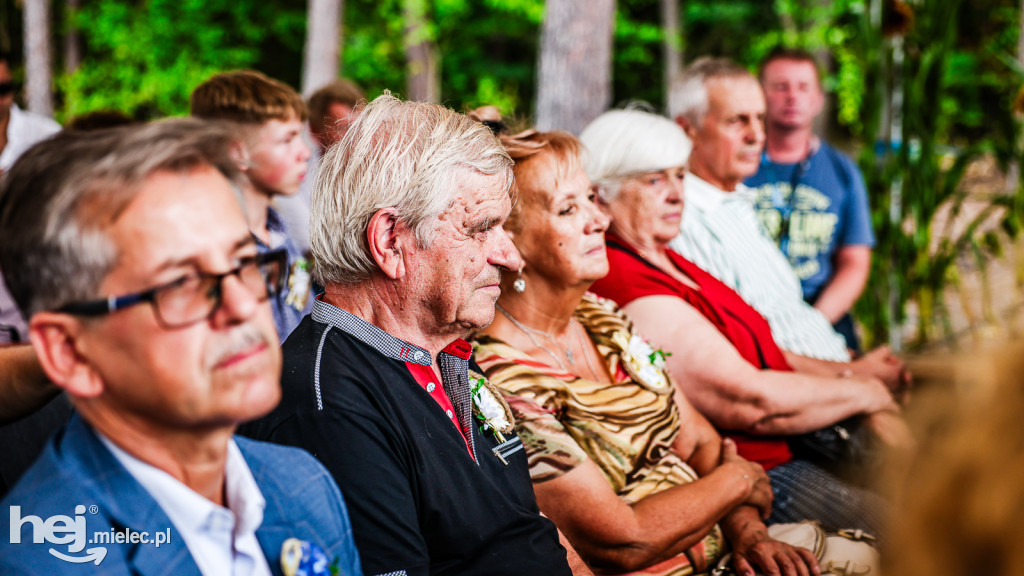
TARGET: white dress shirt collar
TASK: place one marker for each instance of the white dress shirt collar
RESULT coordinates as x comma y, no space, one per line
221,540
707,197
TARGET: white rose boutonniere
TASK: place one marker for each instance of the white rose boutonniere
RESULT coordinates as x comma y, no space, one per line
490,408
642,362
299,284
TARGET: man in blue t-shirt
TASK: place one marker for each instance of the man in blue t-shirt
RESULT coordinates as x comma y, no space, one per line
809,196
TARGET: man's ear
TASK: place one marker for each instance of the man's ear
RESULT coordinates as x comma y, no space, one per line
388,237
240,154
687,126
55,338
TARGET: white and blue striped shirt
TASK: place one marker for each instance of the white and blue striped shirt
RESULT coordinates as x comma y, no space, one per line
721,233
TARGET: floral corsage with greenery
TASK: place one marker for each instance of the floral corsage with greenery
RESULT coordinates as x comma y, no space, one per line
644,363
490,408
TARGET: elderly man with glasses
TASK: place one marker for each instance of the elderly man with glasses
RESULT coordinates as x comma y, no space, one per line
147,302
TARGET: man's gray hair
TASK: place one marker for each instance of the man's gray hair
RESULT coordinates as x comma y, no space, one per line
405,155
60,197
688,95
625,143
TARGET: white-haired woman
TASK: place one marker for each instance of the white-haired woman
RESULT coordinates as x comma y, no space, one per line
721,351
634,477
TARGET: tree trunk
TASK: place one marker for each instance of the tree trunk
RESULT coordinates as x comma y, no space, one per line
672,46
823,123
421,59
1020,35
72,39
322,54
574,83
1013,171
38,96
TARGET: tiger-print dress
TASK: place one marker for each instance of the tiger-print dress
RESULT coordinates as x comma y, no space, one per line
626,428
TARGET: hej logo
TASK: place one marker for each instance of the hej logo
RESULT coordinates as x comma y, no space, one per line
58,530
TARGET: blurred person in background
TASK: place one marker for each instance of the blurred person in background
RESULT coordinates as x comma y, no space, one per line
331,110
19,131
267,116
809,196
721,108
957,498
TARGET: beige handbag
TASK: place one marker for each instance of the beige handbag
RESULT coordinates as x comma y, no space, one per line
845,553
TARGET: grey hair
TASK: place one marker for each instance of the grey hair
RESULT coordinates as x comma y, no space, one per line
624,143
59,199
688,95
404,155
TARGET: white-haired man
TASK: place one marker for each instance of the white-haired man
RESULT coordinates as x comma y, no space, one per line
721,107
408,242
147,302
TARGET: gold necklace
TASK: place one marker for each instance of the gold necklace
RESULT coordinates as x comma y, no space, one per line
583,348
530,332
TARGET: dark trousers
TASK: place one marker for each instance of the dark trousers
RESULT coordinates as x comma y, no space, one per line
803,491
845,327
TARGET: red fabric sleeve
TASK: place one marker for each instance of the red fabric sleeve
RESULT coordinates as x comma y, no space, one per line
631,277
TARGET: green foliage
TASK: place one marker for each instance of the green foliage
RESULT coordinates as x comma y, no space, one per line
144,58
637,57
959,76
488,49
739,30
947,92
490,55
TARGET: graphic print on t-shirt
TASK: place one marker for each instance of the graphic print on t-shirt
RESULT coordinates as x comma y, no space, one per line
812,225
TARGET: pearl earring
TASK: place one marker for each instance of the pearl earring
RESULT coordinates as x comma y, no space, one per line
520,284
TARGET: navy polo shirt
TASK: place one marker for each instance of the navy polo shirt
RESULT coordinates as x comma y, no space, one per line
428,493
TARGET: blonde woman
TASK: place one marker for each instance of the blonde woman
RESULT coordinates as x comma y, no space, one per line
636,479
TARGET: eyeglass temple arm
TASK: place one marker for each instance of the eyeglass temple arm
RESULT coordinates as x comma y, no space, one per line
105,305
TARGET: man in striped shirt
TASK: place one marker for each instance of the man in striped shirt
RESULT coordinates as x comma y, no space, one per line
721,107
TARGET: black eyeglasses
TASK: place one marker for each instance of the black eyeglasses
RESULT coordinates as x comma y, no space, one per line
6,88
197,296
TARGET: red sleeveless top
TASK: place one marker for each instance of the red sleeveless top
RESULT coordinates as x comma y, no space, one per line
631,277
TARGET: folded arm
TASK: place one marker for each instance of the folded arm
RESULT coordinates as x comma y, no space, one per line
735,395
616,536
743,527
880,363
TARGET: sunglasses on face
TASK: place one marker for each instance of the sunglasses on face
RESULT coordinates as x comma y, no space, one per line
6,88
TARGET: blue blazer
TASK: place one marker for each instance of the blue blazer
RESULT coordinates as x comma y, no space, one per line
77,469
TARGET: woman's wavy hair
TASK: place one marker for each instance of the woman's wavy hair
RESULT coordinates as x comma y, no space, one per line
532,151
